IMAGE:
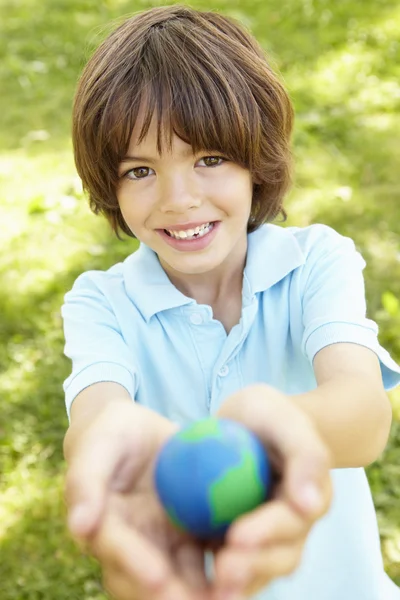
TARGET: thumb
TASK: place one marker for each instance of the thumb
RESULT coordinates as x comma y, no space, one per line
291,435
306,483
100,454
87,483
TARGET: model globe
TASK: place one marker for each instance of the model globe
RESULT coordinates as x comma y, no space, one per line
210,473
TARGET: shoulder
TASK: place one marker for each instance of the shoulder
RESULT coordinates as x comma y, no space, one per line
99,290
98,281
276,252
100,297
318,239
313,240
326,251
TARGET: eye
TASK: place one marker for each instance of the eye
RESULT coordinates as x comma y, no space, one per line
213,161
138,173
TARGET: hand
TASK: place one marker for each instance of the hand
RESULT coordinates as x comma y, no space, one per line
114,512
268,542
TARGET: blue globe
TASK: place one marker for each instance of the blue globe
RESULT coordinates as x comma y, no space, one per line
210,473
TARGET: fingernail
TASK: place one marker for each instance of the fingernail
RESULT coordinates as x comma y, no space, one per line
78,520
310,497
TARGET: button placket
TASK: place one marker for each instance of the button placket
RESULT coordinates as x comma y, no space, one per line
223,372
208,342
248,315
220,381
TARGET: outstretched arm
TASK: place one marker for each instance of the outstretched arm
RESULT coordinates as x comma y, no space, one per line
350,407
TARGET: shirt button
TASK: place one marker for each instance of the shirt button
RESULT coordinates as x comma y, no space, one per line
223,372
196,319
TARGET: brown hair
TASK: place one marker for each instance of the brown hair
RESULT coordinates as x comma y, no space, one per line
207,80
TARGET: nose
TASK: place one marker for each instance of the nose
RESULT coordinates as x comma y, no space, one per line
178,194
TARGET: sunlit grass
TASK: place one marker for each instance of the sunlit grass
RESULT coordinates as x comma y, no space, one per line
32,510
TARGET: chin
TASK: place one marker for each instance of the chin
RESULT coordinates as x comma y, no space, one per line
191,268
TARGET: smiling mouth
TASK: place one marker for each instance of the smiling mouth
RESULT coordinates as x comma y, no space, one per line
191,234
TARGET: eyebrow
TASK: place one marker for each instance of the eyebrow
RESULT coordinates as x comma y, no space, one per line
134,158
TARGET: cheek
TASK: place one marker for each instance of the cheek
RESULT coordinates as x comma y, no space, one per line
132,209
235,194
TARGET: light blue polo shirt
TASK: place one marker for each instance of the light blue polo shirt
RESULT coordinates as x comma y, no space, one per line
303,289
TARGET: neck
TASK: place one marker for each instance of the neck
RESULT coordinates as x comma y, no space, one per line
215,286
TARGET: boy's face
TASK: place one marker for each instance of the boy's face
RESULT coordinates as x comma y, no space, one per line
202,200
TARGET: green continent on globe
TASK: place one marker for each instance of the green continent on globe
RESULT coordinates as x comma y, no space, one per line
237,491
206,428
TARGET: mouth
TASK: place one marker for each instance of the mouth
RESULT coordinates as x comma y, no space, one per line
191,234
191,240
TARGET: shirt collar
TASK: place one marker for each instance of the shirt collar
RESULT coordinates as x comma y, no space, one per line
273,252
148,285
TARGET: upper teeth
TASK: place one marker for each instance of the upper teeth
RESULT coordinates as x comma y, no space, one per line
201,230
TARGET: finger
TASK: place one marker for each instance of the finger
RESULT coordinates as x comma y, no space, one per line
122,587
247,571
189,563
119,587
277,561
232,571
139,565
132,555
275,522
137,570
306,482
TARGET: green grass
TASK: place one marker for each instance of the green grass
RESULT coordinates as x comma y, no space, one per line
339,63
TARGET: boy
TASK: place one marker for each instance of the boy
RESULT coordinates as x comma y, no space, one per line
182,139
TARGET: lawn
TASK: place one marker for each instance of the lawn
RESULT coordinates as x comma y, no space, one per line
340,63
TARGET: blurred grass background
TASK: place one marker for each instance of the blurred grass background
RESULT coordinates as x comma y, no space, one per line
340,61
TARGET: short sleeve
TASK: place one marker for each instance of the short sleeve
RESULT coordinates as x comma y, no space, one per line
93,341
333,301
